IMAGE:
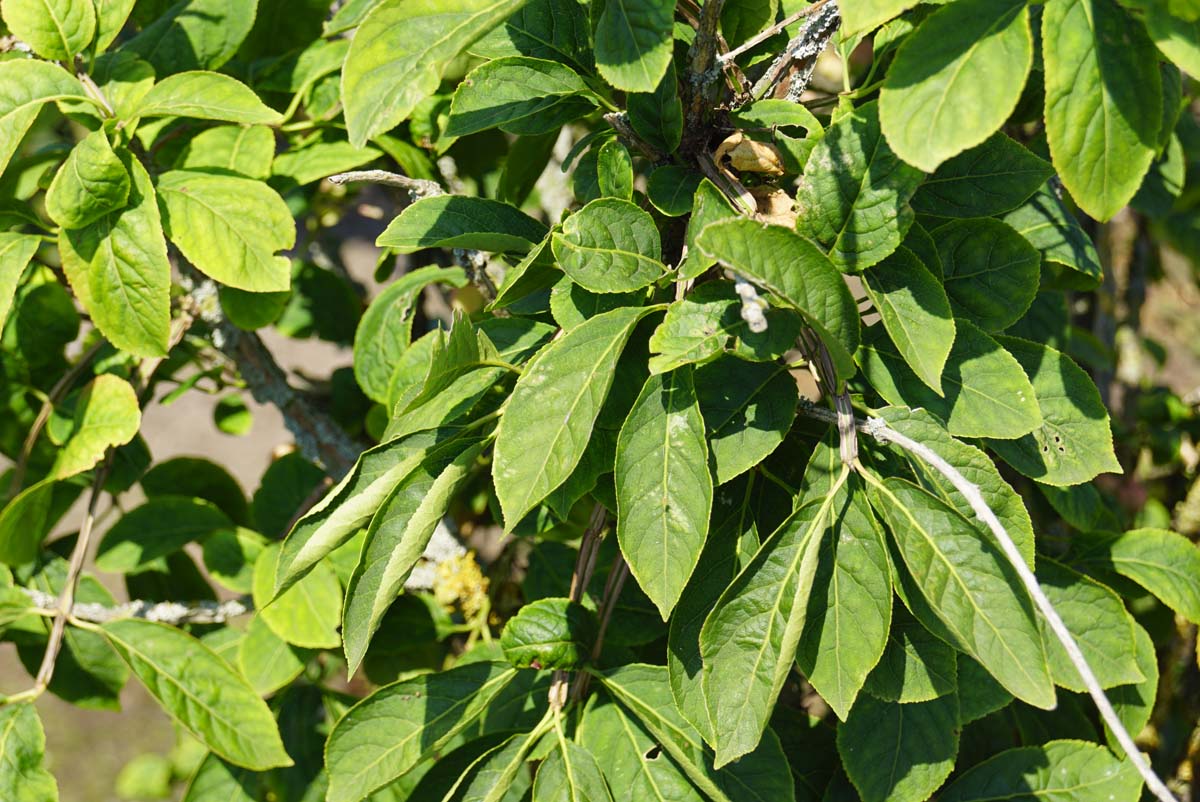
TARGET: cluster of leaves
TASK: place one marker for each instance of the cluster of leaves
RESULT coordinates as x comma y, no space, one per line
628,366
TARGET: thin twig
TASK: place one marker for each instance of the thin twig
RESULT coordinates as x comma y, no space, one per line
878,429
420,187
619,121
585,564
806,46
759,38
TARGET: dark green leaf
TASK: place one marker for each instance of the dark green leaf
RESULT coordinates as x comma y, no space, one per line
157,528
748,407
1070,771
610,245
22,750
991,273
986,180
550,633
633,42
518,95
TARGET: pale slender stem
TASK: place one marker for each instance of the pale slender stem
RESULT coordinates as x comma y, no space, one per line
420,187
763,36
878,429
176,613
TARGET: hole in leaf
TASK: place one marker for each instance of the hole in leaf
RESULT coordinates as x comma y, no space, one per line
653,752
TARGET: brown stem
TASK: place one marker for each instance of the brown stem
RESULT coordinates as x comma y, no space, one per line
619,121
763,36
696,85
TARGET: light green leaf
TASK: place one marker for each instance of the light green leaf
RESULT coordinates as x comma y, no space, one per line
850,603
57,30
106,415
159,527
1048,225
230,228
749,640
307,613
896,752
913,307
633,42
497,775
571,774
607,730
986,391
863,16
248,150
349,506
916,666
518,95
91,183
614,170
970,587
28,85
16,251
1074,443
550,633
400,51
120,271
748,407
22,750
657,116
973,464
761,776
794,270
1102,627
396,538
1065,771
956,79
1163,562
553,409
1176,38
267,661
1103,101
195,35
420,715
991,272
314,162
206,96
200,691
855,190
385,330
1135,703
610,245
455,221
111,16
663,486
986,180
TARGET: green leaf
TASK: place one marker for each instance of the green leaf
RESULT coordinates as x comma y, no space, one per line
1103,101
1048,225
1163,562
206,96
194,35
229,557
1134,704
22,750
25,521
247,150
420,715
396,538
159,527
850,603
119,268
553,408
1102,627
956,79
610,245
230,228
200,691
913,307
1074,443
544,29
614,170
29,85
633,42
986,180
1175,37
497,775
267,661
385,330
111,16
748,407
1065,771
16,251
855,190
106,415
749,640
631,763
217,780
672,189
761,776
916,666
570,774
657,117
991,272
550,633
986,391
455,221
970,587
973,464
307,613
400,52
518,95
794,270
57,30
91,183
708,206
896,752
664,489
863,16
